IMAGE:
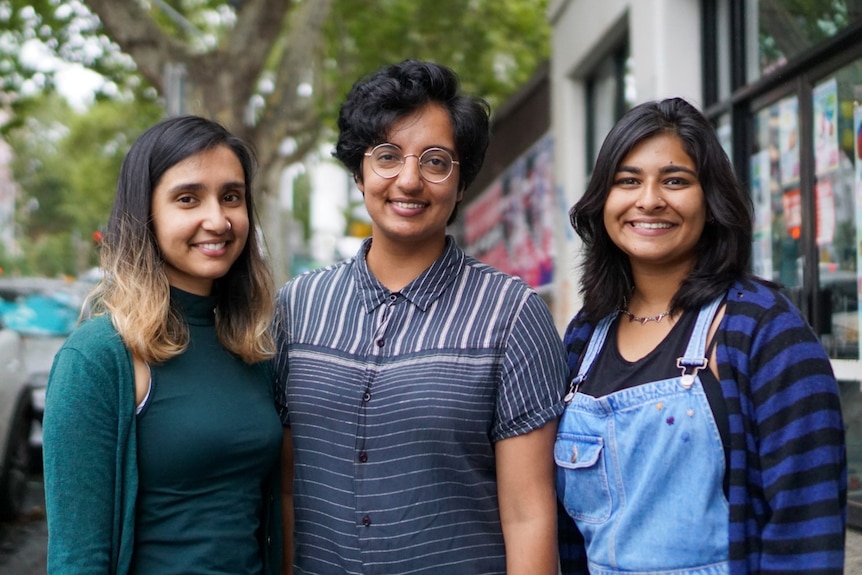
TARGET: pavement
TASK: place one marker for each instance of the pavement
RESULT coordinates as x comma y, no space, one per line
22,543
853,553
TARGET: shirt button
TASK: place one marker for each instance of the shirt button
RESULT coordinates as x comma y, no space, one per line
363,457
393,297
380,342
367,396
366,521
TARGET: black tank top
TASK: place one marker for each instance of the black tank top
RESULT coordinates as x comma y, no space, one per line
611,372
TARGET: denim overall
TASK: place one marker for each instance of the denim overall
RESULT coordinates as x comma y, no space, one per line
640,470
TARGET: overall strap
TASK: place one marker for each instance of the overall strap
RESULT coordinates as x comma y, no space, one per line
695,358
597,340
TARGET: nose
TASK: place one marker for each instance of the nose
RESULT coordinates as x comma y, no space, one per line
409,176
216,220
650,197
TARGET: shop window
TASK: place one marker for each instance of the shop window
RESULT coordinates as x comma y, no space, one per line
837,130
786,28
610,92
775,192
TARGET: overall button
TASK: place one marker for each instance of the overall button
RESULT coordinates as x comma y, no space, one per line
363,457
366,520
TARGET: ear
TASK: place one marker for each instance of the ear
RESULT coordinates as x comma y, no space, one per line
357,178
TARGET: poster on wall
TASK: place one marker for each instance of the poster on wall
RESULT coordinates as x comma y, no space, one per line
824,197
857,164
760,193
826,150
788,141
511,224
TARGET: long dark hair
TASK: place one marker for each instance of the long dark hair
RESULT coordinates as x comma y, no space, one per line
135,290
724,249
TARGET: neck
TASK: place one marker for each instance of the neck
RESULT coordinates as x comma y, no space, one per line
395,265
653,291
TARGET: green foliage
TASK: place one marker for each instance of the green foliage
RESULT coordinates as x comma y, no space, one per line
788,27
493,45
11,266
69,32
66,165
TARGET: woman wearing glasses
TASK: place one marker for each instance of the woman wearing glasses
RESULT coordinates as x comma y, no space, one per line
419,388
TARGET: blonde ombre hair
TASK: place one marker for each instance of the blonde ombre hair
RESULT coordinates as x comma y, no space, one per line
135,292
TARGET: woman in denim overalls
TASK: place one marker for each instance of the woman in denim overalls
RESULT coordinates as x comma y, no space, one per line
660,468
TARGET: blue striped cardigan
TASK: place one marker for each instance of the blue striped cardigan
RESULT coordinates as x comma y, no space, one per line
788,470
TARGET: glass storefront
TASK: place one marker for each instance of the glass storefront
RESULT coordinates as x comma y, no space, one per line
838,178
804,169
786,29
775,192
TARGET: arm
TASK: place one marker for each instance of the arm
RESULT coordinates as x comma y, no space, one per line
82,432
287,501
528,512
792,414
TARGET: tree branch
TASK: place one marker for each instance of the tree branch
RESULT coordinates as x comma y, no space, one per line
285,109
127,24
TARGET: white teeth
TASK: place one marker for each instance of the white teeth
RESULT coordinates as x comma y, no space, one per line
651,225
408,205
217,246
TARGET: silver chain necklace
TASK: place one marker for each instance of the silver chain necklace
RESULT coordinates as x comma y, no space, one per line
642,320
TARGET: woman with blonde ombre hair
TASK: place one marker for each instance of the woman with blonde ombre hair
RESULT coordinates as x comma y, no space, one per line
161,439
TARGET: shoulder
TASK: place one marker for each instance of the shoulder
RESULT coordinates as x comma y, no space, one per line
92,363
316,278
754,302
482,273
763,329
95,335
578,331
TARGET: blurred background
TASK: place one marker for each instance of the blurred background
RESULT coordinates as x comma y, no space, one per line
781,80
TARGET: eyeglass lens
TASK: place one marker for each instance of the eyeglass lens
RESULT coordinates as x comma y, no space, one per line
435,164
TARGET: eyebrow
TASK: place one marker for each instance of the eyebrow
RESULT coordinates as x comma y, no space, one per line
669,169
452,152
195,186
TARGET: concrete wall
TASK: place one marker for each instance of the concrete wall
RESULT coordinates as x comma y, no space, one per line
665,43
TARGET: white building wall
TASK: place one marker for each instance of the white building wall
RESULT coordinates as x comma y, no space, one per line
665,44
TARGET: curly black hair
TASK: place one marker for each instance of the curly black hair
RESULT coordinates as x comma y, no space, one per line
376,102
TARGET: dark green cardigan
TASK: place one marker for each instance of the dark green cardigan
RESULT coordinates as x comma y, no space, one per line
90,467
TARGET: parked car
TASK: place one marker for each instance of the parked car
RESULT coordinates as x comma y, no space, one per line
15,423
41,312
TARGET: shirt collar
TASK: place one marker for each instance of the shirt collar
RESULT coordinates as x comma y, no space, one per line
422,291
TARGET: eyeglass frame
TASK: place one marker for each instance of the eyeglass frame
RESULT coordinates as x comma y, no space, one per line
418,159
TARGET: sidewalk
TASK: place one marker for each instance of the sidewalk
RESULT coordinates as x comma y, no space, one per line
853,551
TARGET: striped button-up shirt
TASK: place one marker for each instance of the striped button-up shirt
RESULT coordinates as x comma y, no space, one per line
395,401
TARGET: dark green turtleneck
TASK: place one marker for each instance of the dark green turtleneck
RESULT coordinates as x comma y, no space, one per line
208,437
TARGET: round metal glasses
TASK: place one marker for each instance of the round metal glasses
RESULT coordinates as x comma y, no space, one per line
435,164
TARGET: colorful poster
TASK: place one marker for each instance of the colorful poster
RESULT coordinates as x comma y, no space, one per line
826,148
824,197
511,224
788,141
760,193
857,164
